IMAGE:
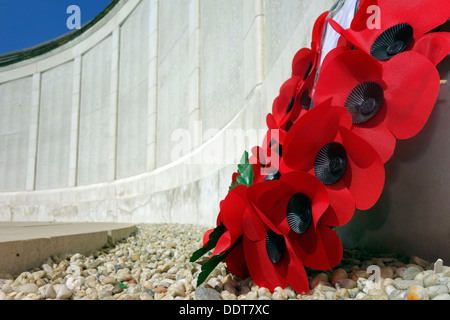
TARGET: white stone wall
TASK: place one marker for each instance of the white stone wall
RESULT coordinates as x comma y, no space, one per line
96,144
53,147
87,130
15,102
133,93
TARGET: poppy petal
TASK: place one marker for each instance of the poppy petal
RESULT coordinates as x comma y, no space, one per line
262,270
308,135
435,46
377,134
363,15
303,63
413,85
235,261
206,236
223,244
367,170
343,73
342,206
318,29
305,183
296,273
319,250
284,101
254,228
265,198
233,208
424,15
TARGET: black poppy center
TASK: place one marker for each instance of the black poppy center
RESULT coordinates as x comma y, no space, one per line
275,246
299,213
392,41
331,163
395,47
365,101
308,71
290,105
336,165
368,106
305,100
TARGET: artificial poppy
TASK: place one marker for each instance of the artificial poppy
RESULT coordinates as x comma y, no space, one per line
266,158
322,144
271,260
399,26
306,61
231,213
386,101
286,106
295,94
288,232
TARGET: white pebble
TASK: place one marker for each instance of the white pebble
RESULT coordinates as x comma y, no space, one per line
63,292
434,291
443,296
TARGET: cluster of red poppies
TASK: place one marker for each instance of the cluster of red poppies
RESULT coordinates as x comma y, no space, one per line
328,140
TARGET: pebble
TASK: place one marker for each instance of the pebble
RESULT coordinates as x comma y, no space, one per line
206,294
27,288
50,292
387,273
117,289
444,296
319,278
420,262
63,293
430,279
108,280
397,295
417,293
410,273
153,264
339,274
346,283
356,274
434,291
402,284
341,294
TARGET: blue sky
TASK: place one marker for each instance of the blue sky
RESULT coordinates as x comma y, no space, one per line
26,23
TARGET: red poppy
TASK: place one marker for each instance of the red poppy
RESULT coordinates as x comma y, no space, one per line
322,144
295,94
231,213
402,27
288,231
286,106
266,159
387,101
306,60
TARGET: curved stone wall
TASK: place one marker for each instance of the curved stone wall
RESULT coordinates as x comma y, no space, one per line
129,120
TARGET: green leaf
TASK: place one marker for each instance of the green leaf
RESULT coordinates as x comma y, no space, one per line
245,171
212,263
209,266
213,238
